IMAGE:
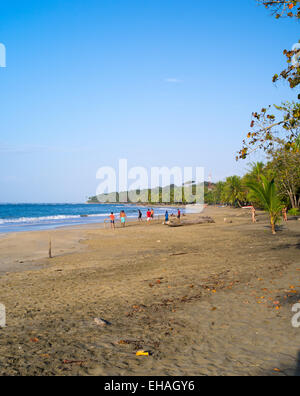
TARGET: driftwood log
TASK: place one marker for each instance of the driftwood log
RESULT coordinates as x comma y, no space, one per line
200,220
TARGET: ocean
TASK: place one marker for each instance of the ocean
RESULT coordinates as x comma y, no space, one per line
31,217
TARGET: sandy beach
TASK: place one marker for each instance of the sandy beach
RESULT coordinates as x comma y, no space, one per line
211,299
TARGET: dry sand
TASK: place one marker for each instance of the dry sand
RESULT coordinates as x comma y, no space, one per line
202,299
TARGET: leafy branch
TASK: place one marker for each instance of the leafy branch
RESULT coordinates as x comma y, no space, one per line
265,126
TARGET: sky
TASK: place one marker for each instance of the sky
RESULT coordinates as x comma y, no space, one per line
160,83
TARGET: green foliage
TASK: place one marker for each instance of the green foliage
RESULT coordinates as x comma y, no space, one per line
186,194
284,165
233,191
294,212
254,175
297,144
213,196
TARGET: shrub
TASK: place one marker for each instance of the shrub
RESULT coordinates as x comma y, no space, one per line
294,212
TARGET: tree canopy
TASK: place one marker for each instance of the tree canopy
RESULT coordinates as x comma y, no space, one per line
284,119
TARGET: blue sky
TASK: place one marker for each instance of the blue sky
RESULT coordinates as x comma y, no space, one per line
157,82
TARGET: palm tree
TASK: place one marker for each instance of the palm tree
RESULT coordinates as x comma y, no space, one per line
256,169
265,192
218,192
233,191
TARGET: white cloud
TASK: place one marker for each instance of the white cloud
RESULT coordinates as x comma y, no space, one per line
173,80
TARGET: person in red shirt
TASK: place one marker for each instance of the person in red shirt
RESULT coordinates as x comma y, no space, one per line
178,214
148,215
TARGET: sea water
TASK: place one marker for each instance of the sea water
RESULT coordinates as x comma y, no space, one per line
30,217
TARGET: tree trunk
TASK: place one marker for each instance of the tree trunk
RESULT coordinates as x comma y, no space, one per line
50,249
273,225
238,202
292,199
295,201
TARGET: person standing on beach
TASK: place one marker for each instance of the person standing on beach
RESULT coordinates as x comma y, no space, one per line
123,218
253,212
112,220
178,214
140,216
148,215
284,214
166,216
152,214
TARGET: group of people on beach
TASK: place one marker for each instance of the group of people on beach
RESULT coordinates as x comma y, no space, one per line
122,219
172,215
149,217
284,214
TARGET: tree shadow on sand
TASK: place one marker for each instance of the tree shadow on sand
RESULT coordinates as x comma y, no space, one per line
287,246
285,370
297,371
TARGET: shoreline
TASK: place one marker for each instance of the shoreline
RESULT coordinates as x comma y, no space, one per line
57,221
33,245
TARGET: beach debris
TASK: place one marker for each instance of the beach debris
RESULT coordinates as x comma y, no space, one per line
78,362
50,249
101,322
142,353
174,222
123,342
2,316
35,340
138,344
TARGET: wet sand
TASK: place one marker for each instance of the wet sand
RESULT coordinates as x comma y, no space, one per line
26,250
212,299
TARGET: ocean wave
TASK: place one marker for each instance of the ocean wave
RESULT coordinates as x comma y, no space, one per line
50,218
